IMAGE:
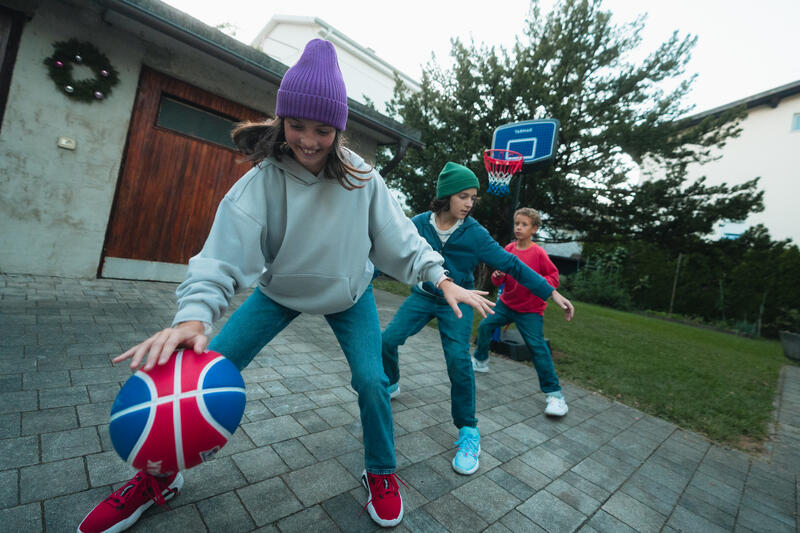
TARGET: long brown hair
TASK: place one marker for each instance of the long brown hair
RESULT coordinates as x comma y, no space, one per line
259,140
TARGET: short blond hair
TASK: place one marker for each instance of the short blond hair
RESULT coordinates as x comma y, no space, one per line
531,213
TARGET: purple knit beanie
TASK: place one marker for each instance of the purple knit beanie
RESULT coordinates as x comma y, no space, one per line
314,88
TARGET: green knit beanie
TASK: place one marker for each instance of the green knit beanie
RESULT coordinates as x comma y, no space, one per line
454,178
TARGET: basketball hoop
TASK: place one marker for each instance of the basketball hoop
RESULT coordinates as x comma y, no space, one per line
501,165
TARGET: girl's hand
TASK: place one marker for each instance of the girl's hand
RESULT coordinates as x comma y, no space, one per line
455,294
159,347
498,274
564,304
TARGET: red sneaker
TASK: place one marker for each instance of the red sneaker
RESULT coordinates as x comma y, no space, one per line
124,507
385,505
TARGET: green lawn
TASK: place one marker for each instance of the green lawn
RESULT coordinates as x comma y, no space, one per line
714,383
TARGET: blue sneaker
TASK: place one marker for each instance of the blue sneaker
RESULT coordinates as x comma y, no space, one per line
393,390
469,448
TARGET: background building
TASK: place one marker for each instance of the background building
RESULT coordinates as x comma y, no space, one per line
769,147
368,77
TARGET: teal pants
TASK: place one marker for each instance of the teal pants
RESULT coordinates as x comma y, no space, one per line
418,309
530,325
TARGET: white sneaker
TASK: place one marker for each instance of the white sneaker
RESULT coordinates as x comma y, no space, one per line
556,406
480,366
394,390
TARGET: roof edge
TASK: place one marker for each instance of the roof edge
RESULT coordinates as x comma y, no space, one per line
771,98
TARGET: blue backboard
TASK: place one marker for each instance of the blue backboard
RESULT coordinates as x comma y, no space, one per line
536,140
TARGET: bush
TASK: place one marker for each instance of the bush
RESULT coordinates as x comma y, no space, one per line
600,281
598,287
787,320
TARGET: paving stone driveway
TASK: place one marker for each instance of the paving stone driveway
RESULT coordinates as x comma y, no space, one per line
293,466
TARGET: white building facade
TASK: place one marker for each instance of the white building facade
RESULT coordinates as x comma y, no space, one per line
367,76
769,148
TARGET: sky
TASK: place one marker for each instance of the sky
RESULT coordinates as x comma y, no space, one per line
743,47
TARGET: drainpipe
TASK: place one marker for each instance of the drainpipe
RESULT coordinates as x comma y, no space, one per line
402,148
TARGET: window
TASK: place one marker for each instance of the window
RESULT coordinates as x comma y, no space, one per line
195,122
796,122
731,229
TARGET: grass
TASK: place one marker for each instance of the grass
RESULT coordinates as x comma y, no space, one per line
717,384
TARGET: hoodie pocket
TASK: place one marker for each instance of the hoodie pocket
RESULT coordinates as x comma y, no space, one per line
312,293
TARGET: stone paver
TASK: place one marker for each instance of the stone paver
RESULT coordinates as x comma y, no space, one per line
294,464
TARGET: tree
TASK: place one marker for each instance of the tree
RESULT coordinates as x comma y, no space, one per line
577,66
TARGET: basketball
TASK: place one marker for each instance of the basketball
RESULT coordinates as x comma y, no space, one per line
178,415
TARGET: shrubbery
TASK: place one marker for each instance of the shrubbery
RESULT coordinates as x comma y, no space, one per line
600,281
750,284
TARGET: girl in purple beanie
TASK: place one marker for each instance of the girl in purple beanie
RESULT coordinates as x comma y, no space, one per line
306,224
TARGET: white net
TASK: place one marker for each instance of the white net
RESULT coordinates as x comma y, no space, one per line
501,165
498,183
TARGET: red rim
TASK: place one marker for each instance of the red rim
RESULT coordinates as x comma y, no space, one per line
499,160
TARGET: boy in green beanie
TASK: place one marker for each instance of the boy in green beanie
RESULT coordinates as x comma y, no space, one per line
463,242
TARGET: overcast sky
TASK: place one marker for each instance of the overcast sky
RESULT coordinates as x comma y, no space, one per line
743,47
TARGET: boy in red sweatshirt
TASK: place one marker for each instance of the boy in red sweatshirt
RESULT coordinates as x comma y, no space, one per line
517,304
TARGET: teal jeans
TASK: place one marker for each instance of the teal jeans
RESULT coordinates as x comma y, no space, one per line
259,319
417,310
530,325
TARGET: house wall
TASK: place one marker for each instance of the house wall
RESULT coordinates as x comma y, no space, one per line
767,147
55,203
362,74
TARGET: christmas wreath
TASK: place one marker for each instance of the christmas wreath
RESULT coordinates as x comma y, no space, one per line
75,52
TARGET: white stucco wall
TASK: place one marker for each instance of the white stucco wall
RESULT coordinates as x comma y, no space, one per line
54,203
769,148
284,39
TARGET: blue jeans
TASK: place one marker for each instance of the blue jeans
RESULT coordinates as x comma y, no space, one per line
358,329
418,309
530,326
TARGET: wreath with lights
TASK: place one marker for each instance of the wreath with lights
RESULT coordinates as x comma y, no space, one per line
75,52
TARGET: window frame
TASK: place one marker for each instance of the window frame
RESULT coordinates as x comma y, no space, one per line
199,108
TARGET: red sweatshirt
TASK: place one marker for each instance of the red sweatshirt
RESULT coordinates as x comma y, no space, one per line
517,297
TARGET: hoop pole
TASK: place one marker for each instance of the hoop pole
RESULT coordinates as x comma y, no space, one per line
519,176
515,199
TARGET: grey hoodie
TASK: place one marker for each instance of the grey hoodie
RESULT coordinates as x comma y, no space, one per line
310,243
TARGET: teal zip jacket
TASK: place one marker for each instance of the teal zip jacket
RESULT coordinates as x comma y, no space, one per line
471,244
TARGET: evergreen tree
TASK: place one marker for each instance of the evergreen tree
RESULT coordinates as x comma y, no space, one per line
577,66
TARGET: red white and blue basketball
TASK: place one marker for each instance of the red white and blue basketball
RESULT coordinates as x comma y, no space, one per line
178,415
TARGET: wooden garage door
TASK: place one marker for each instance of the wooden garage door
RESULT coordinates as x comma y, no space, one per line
179,162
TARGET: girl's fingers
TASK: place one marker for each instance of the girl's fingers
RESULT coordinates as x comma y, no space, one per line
123,356
138,354
200,344
456,310
162,350
160,347
169,347
153,354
